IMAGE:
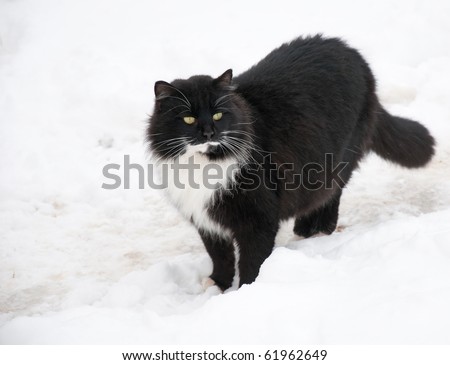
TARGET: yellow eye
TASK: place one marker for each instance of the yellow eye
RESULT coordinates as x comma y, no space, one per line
189,120
217,116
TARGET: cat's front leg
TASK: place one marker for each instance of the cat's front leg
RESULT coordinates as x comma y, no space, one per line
254,246
221,251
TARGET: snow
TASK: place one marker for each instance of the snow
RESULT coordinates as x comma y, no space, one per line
84,265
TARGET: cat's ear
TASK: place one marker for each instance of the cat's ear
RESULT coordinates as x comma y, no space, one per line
225,79
163,89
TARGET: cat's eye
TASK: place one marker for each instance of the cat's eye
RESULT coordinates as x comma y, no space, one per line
217,116
189,120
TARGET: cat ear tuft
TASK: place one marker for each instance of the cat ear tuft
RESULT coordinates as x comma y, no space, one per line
224,80
163,89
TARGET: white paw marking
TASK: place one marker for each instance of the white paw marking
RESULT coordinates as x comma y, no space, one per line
208,283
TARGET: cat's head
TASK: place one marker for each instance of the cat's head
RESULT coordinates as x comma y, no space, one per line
200,114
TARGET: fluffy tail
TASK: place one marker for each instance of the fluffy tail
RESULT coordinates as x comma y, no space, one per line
402,141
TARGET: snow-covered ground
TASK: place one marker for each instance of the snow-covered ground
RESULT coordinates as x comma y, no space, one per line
81,264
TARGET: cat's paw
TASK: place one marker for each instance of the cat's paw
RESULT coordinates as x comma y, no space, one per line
208,283
340,228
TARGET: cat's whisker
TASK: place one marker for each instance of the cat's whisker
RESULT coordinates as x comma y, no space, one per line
175,107
221,100
170,153
227,109
247,143
248,146
186,102
242,123
355,152
245,133
183,111
169,149
166,141
222,109
184,96
174,139
239,156
241,148
243,157
227,144
173,147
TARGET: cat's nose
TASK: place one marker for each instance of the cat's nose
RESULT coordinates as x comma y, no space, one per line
208,134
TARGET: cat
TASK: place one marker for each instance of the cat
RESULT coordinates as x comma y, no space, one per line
285,135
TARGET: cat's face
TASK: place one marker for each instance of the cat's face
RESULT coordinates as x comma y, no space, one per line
201,114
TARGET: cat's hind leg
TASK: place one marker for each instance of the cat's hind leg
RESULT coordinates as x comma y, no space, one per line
321,220
324,219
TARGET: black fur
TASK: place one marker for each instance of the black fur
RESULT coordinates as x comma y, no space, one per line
307,100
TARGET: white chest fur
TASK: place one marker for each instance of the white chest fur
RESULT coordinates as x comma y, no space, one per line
195,182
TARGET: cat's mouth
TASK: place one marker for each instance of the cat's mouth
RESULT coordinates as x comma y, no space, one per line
213,148
206,148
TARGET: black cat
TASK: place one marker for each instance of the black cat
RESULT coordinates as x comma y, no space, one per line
282,138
